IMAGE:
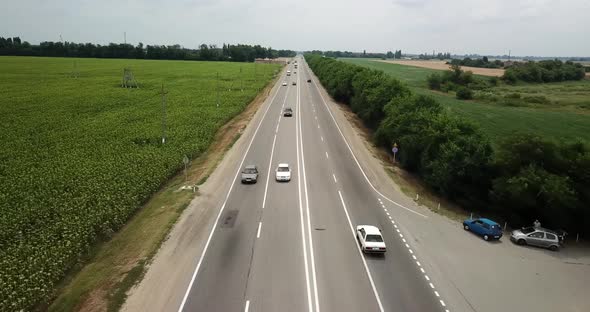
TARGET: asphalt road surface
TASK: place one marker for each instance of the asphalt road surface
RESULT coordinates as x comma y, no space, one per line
290,246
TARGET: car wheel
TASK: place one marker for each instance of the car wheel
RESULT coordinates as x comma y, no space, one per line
485,237
466,227
521,242
553,248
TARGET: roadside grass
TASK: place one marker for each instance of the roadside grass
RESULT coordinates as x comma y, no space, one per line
115,266
565,117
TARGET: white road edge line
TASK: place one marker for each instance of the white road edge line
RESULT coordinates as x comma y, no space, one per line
361,254
354,157
247,307
306,265
313,272
196,271
259,228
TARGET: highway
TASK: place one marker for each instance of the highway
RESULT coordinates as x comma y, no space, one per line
290,246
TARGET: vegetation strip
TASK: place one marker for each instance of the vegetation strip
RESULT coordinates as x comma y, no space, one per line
96,154
525,178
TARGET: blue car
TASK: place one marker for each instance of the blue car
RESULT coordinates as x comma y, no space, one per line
483,227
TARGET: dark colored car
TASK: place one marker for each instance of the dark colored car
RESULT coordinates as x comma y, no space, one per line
288,112
250,174
483,227
308,80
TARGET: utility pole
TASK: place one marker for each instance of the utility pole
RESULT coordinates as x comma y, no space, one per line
217,87
241,80
163,93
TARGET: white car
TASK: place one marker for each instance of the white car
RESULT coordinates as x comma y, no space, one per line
370,239
284,84
283,172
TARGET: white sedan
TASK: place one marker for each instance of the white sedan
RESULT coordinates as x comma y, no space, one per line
283,172
370,239
284,84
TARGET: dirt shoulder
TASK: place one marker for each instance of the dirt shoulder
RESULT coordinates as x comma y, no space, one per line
117,265
441,65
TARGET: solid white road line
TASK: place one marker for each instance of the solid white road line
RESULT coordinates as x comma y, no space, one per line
272,151
196,271
247,307
361,254
313,271
303,240
259,228
354,157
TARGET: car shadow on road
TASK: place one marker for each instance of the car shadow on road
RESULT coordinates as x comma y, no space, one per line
491,241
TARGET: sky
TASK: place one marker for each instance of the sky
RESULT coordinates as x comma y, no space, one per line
485,27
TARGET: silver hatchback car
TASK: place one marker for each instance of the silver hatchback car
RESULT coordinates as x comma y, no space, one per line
536,237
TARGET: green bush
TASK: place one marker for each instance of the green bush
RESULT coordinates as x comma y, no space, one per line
544,71
434,81
464,93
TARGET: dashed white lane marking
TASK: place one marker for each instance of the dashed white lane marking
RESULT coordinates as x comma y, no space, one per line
318,126
259,228
334,176
272,151
322,138
327,155
414,256
247,307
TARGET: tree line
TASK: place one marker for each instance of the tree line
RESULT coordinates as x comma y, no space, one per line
480,62
524,178
336,54
544,71
228,52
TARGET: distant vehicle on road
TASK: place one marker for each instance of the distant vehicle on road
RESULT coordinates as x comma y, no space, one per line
294,83
539,237
288,112
308,80
284,84
250,174
370,239
283,173
483,227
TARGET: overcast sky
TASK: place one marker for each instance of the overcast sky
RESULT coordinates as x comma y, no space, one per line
527,27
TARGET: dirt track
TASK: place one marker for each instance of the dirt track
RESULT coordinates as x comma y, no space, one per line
440,65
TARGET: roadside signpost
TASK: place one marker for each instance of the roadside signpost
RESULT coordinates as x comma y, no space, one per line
394,150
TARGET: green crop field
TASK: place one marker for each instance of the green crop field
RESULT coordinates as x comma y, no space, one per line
566,116
79,154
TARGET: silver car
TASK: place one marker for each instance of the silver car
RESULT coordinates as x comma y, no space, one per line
536,237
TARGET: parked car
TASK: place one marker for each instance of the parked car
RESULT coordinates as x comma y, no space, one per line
250,174
283,173
288,112
370,239
539,237
483,227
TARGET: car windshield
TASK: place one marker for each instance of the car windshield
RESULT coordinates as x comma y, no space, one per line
374,238
283,169
250,170
528,230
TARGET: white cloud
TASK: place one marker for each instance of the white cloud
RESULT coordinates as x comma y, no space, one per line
527,27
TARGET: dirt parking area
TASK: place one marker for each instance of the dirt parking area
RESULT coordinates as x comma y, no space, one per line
441,65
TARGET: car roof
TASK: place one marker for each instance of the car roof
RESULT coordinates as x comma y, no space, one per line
488,221
370,229
250,167
284,165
